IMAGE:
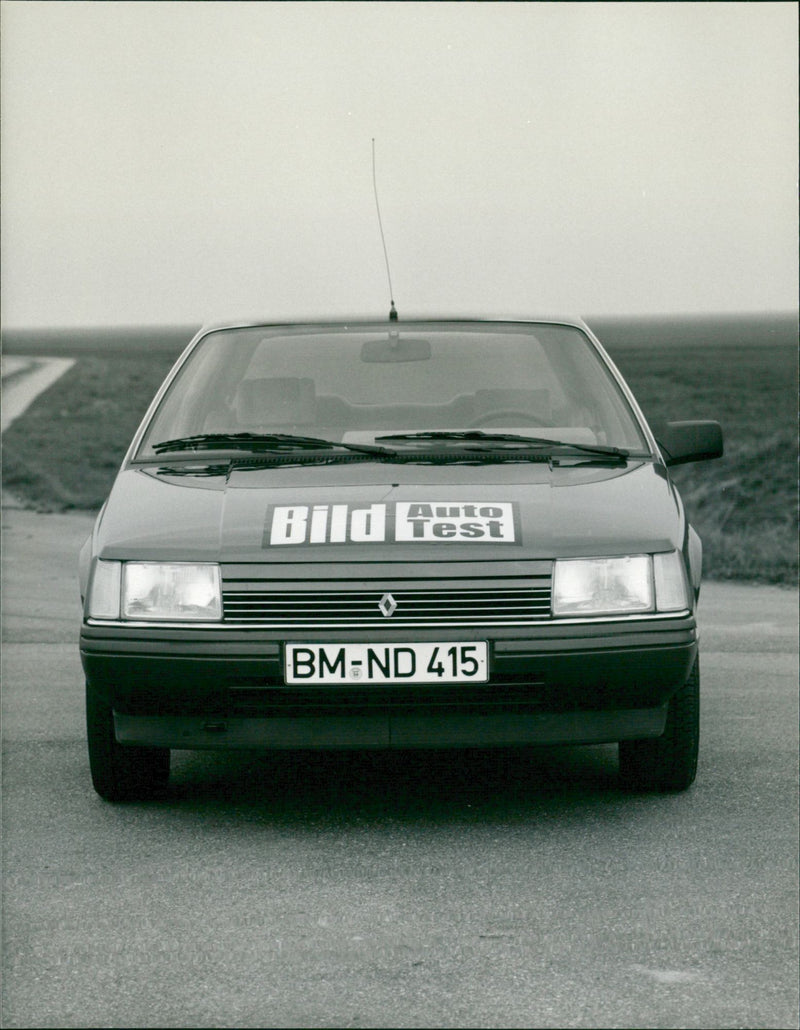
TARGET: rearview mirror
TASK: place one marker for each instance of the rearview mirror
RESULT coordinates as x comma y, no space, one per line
681,442
396,348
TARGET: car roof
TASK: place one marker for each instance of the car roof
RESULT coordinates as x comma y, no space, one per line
340,320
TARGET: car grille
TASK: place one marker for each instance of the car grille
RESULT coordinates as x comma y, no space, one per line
508,694
430,607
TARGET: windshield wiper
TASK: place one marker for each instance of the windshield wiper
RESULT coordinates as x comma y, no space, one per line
265,441
539,442
288,443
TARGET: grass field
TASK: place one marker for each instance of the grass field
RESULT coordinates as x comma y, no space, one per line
64,451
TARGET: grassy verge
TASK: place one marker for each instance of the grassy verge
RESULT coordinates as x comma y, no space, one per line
64,451
744,505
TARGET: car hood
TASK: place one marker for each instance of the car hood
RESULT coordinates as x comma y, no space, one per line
364,511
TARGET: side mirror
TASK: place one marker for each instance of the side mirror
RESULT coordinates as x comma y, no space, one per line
681,442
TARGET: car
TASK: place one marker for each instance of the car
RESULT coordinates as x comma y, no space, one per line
375,534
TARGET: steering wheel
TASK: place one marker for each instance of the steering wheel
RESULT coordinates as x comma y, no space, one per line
491,417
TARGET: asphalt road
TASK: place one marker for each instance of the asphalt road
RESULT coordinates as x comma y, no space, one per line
417,890
23,379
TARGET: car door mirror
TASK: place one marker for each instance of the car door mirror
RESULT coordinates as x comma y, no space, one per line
681,442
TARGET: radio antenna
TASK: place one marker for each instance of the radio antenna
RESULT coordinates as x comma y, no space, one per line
392,309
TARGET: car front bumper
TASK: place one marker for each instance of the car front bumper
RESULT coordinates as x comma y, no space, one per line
581,682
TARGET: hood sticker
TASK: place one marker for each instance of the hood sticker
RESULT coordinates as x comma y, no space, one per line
403,522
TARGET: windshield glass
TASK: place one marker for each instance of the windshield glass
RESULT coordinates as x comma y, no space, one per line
353,384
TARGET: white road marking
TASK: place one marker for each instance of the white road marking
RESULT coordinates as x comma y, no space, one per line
670,976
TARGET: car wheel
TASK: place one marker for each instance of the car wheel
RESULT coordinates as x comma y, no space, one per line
669,762
121,773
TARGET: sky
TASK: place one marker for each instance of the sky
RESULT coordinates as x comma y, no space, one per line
181,162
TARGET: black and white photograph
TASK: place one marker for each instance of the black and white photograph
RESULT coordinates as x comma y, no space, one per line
399,516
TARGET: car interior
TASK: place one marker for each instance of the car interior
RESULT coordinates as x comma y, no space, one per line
291,404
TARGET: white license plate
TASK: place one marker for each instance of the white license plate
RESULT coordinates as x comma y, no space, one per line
451,662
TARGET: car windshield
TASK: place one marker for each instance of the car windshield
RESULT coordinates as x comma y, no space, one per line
354,384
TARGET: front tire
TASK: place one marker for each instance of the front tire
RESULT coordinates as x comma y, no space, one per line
121,773
667,763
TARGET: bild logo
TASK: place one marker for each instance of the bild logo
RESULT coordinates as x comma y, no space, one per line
404,522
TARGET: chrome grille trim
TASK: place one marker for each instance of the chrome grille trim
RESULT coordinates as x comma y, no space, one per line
456,606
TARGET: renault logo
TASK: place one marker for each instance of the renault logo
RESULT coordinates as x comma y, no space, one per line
387,605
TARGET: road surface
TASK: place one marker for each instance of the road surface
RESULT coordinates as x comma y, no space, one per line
23,379
456,890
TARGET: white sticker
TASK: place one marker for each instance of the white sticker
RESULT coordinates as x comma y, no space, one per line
459,523
406,522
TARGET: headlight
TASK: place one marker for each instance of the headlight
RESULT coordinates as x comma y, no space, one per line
603,586
153,590
620,586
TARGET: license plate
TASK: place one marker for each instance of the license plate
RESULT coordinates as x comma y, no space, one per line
387,663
